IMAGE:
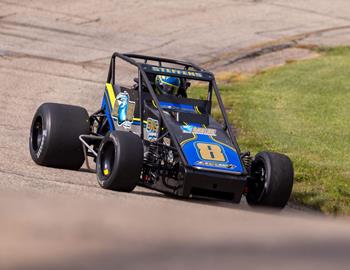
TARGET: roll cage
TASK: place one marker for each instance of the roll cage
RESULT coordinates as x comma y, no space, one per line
185,70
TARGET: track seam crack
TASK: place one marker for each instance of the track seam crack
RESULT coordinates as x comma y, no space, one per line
45,28
52,74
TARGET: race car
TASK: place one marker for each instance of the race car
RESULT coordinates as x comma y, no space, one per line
167,142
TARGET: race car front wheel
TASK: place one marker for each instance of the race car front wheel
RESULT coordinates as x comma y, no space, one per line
54,135
271,180
119,161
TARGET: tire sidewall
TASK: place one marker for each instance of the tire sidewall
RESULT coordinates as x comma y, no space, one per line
128,161
265,159
104,181
43,148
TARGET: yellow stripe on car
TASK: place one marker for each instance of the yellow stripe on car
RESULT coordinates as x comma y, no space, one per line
154,104
111,94
188,140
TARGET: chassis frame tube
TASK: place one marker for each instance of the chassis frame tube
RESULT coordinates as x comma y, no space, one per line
143,77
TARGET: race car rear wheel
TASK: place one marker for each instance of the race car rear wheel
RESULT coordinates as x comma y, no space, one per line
271,180
54,135
119,161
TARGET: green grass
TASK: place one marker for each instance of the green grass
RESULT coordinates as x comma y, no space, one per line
303,110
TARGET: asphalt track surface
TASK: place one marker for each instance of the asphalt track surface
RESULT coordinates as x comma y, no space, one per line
59,51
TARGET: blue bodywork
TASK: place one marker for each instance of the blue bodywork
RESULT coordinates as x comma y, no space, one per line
107,108
231,162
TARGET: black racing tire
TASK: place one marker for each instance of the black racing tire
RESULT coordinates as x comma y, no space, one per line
271,180
119,161
54,135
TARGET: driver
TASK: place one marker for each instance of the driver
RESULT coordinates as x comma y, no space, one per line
167,85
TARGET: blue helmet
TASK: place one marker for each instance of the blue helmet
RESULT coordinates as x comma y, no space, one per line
167,85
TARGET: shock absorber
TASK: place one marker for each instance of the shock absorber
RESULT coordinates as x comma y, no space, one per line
150,173
247,160
151,155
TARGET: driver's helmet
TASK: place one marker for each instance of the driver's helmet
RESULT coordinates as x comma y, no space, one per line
167,85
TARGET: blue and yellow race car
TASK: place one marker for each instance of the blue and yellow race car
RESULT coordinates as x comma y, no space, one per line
153,135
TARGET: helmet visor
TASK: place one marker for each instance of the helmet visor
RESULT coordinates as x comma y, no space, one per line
168,89
167,85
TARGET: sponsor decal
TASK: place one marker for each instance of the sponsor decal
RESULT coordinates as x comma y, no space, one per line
177,71
198,130
152,128
41,143
215,164
123,111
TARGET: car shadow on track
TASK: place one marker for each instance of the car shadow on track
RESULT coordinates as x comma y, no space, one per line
243,205
86,170
200,200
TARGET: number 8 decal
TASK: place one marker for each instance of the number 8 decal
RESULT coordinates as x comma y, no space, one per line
210,151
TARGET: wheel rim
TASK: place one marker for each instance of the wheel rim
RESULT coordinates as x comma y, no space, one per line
257,187
37,134
107,160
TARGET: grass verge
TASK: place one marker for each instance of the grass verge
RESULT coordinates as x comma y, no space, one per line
303,110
